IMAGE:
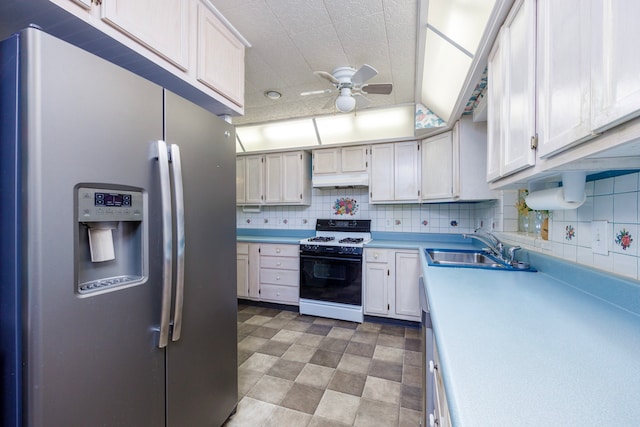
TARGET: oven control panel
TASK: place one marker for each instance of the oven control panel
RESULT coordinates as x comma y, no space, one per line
330,250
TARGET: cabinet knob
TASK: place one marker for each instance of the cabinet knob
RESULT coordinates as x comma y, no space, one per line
432,420
432,366
278,250
278,264
375,256
277,277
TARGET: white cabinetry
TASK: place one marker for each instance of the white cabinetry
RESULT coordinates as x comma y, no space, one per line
220,57
441,416
247,258
453,164
615,63
340,160
391,283
519,75
179,44
280,273
249,180
395,172
496,109
288,178
161,25
564,77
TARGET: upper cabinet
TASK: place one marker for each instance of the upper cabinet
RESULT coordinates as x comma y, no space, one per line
395,172
166,32
170,42
220,57
274,179
453,164
514,111
340,160
564,75
587,81
615,63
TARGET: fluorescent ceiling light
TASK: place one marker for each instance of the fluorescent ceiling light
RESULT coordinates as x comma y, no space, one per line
278,135
444,72
462,21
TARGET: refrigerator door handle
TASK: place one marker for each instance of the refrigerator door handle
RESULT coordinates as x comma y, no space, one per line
176,168
162,156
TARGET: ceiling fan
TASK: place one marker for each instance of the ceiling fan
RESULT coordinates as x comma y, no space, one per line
351,87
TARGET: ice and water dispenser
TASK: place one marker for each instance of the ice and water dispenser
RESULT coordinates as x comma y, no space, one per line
110,239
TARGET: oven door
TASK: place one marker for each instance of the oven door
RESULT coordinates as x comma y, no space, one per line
331,278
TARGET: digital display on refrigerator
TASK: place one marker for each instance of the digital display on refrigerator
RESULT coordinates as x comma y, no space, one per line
112,199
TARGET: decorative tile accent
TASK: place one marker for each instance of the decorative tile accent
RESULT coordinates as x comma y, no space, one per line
345,206
624,239
477,94
570,232
426,118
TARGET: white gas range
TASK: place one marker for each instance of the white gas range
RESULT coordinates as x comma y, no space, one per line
331,269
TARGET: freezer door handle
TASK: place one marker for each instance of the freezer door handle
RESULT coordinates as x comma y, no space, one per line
176,168
162,156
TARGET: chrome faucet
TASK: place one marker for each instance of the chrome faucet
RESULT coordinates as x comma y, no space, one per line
494,245
512,253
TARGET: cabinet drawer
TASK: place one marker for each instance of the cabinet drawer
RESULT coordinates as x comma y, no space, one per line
276,293
279,277
281,263
376,255
280,250
242,248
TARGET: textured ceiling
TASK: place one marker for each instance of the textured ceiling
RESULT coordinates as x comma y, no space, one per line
292,38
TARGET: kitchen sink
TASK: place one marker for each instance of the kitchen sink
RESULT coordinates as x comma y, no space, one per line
471,259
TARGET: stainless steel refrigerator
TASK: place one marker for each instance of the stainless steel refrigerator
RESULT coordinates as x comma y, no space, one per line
117,233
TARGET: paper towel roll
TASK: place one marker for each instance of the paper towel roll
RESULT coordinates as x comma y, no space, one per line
101,244
551,199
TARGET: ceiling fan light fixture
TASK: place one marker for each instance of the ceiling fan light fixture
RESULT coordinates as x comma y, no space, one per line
344,104
272,94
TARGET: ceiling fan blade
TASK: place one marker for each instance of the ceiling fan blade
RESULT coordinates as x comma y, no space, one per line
326,76
316,92
361,100
330,103
363,74
377,88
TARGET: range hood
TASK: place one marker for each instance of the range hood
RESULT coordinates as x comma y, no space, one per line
341,180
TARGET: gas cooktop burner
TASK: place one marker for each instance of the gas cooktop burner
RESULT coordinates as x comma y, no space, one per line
321,239
351,240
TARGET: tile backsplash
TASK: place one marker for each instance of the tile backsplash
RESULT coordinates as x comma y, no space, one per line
354,203
614,200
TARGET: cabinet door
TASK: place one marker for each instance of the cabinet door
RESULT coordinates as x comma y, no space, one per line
273,178
407,298
382,173
160,25
241,175
292,177
254,271
564,75
376,284
437,167
616,64
326,161
354,159
407,171
496,120
220,57
242,275
520,68
254,177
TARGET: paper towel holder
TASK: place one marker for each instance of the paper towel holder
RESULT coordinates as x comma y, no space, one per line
571,195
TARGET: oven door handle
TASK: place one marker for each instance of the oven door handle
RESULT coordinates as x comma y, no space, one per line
331,258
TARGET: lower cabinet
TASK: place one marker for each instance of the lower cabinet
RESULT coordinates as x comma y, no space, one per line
391,283
268,272
440,416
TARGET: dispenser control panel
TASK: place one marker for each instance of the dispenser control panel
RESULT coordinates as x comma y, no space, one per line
96,204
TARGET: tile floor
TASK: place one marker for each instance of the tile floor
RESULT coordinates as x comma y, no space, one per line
298,371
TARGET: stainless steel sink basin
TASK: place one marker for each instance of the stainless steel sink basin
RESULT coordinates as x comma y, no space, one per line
472,259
